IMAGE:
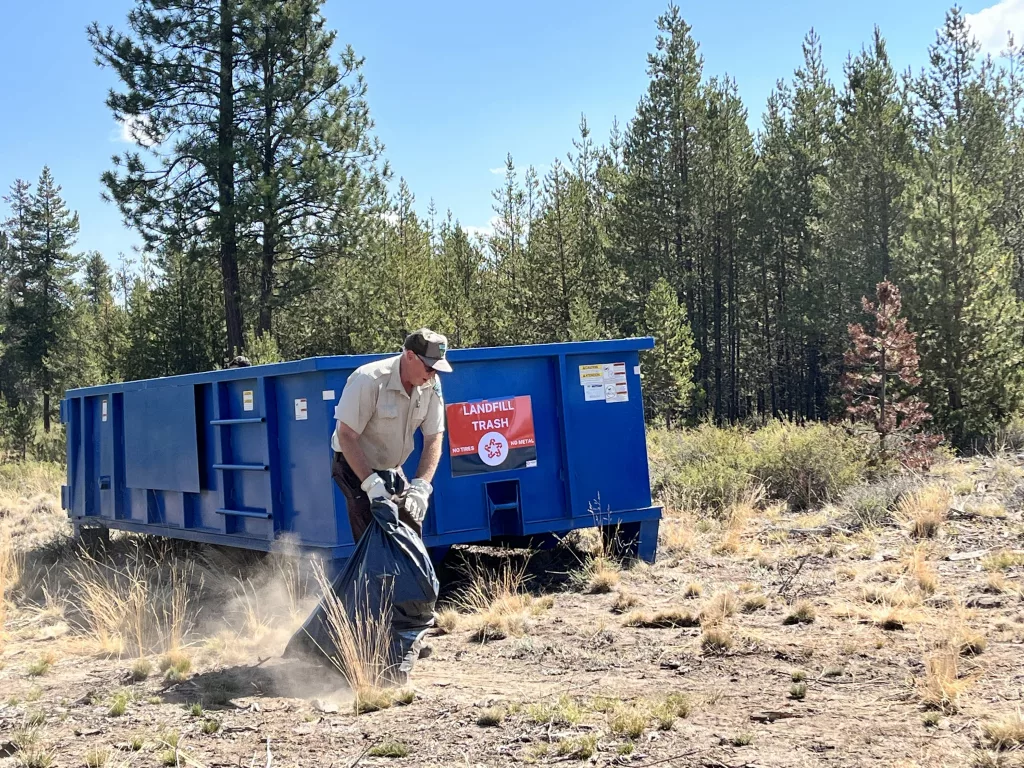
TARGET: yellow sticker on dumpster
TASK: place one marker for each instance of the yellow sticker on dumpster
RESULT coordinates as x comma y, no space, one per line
591,374
247,400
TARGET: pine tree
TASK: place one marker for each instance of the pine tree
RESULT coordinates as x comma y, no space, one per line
459,288
178,65
44,315
668,368
959,274
310,163
882,371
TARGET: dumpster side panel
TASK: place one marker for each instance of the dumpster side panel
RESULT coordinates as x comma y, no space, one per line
466,504
305,460
605,437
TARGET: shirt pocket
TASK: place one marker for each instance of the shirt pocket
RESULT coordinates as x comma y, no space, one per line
419,412
387,409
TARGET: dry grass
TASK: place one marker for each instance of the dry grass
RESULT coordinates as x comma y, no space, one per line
577,747
718,609
663,619
447,621
490,717
1003,560
693,589
498,603
625,600
803,613
676,536
923,512
754,603
389,748
142,606
564,711
629,720
599,575
942,686
42,665
1005,733
716,640
362,644
920,571
10,571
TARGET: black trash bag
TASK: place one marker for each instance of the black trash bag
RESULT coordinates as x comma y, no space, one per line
390,569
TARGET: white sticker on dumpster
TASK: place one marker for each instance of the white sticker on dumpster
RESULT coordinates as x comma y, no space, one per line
615,387
103,408
300,409
247,400
328,394
604,382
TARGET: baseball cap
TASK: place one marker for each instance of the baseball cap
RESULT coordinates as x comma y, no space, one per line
431,348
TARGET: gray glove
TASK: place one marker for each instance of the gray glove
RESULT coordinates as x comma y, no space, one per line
373,486
417,497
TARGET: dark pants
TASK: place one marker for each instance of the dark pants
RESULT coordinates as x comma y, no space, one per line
358,502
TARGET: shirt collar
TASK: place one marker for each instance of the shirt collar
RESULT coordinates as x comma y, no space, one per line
395,379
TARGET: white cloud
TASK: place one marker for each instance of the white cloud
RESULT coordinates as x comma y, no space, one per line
499,171
485,231
131,131
990,25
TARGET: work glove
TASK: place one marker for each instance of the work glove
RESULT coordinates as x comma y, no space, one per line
373,486
417,495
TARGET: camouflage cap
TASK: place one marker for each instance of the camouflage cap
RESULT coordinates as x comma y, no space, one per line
431,348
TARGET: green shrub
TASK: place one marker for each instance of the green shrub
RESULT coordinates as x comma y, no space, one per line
872,505
708,469
807,465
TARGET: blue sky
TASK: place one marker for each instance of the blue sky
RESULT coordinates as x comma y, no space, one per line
453,85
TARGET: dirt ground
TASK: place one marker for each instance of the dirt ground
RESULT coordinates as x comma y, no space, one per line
814,643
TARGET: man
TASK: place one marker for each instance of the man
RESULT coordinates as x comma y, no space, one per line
381,407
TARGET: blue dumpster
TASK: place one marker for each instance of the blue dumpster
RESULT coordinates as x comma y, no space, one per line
540,439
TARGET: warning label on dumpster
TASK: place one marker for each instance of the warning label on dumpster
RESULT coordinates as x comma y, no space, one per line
491,435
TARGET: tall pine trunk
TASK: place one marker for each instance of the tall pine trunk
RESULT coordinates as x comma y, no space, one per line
226,183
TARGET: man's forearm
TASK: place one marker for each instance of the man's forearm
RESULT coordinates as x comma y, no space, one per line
352,452
430,457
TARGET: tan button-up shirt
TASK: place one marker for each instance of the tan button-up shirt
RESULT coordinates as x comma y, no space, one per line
375,405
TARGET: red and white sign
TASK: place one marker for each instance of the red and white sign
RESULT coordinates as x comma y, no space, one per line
491,435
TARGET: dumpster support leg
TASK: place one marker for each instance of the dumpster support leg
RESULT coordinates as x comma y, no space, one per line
95,538
631,541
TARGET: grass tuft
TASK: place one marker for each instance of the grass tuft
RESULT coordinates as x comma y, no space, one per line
491,717
802,613
42,665
664,619
798,691
716,640
753,603
118,704
448,620
577,747
141,669
942,686
210,726
629,720
1005,733
389,748
565,711
924,511
742,740
97,758
693,589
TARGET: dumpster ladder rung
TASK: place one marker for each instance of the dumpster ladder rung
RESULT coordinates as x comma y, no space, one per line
264,515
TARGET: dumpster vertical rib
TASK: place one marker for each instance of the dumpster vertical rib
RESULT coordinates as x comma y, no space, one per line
563,418
219,454
268,400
